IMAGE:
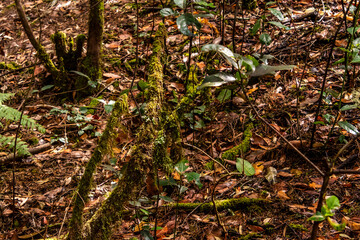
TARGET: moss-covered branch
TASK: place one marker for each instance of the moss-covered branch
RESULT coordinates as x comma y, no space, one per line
233,204
41,53
103,148
142,154
111,211
232,153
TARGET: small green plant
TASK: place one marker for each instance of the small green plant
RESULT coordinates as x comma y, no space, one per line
187,19
327,211
246,66
74,115
181,168
245,167
10,114
262,23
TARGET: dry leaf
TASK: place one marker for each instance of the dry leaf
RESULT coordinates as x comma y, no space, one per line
282,195
314,185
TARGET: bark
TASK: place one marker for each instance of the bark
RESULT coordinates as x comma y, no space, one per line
94,43
41,53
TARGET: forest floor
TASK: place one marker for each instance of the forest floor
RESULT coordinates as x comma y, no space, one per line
45,181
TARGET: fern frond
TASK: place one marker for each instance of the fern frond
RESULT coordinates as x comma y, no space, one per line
12,114
9,142
5,96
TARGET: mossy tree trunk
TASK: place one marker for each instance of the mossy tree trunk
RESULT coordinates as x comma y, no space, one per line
92,62
159,132
69,53
141,163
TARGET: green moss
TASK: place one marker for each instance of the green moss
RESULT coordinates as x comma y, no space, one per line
49,65
104,147
33,141
93,104
192,80
250,236
10,5
209,165
8,66
233,204
232,153
299,227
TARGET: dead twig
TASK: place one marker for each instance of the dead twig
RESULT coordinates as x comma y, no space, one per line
35,150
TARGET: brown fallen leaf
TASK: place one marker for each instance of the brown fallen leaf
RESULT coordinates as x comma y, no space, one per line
282,195
111,75
314,185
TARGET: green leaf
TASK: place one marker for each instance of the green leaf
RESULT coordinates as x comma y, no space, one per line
280,25
337,226
180,3
46,87
184,21
181,166
332,202
167,182
92,84
81,74
199,124
193,176
135,203
165,12
318,217
262,69
147,213
142,85
265,39
348,107
83,110
183,189
328,117
250,63
356,59
208,15
227,53
245,167
270,3
108,107
256,27
352,9
332,92
324,210
341,60
348,127
200,109
224,95
277,13
166,198
5,96
353,30
356,42
216,80
204,4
